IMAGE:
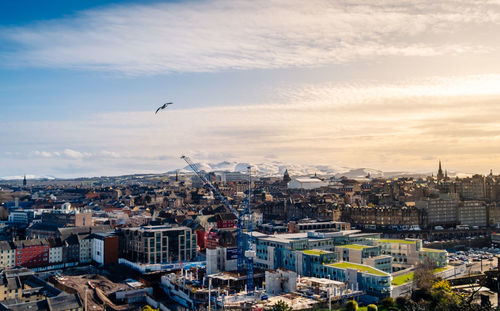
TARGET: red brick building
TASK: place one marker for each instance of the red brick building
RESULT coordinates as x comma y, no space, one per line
221,237
32,253
226,220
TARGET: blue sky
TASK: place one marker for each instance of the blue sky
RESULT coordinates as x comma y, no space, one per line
384,84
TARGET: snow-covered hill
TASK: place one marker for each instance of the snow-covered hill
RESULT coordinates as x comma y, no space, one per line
27,177
276,168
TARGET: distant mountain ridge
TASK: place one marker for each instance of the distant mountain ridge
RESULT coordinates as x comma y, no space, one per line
271,169
28,177
276,168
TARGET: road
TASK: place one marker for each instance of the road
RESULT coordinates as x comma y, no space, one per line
487,265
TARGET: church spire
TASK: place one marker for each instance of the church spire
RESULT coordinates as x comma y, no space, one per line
286,177
440,175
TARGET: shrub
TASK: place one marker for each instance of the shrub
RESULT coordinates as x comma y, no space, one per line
371,307
351,305
281,306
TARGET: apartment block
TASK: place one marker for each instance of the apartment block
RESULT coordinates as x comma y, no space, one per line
158,244
472,213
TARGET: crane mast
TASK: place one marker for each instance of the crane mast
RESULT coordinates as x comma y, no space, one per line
250,253
225,202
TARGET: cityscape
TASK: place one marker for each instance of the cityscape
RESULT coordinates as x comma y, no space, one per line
256,155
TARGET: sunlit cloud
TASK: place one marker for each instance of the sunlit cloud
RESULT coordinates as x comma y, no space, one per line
201,36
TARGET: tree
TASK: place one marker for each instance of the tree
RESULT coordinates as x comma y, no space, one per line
371,307
351,305
281,306
423,276
387,302
402,303
443,297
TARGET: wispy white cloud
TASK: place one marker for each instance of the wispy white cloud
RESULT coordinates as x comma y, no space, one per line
217,35
76,154
66,153
47,154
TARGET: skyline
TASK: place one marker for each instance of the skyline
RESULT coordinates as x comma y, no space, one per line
386,85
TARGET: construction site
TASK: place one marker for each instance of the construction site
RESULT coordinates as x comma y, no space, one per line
100,290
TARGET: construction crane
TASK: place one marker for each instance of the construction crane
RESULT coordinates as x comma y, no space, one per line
250,252
242,249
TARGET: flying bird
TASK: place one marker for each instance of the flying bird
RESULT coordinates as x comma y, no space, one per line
163,107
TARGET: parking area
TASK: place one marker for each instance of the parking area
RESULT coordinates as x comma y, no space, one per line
476,259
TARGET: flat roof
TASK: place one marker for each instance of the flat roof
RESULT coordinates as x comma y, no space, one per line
315,252
396,241
402,279
432,250
156,228
361,268
408,277
282,238
355,246
320,281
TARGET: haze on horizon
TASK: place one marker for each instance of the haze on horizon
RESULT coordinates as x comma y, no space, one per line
389,85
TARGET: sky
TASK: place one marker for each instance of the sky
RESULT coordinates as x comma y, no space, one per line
390,85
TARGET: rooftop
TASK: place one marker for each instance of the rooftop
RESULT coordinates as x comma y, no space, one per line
355,246
408,277
402,279
360,268
432,250
64,302
396,241
308,180
159,228
314,252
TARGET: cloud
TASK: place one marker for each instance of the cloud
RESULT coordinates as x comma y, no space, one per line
75,154
47,154
110,154
206,36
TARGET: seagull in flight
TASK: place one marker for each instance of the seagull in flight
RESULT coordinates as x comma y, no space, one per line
163,107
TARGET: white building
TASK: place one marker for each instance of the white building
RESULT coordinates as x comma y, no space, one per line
281,281
98,250
233,177
257,218
7,255
221,259
306,183
85,249
55,254
19,217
